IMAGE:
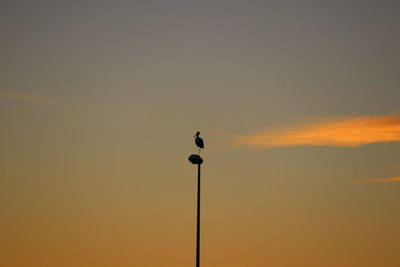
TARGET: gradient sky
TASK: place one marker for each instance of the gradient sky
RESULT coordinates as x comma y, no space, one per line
99,101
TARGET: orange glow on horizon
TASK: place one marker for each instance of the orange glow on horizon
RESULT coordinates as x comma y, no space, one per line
352,132
26,97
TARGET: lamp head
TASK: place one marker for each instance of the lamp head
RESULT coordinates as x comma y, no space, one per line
195,159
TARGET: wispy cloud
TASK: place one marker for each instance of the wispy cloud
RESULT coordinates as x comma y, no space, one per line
26,97
384,180
352,132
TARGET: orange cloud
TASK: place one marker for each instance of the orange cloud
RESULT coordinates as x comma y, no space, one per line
26,97
384,180
352,132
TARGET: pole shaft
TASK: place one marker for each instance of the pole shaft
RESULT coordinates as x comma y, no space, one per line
198,219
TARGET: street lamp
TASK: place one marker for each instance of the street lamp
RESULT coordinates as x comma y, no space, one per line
197,160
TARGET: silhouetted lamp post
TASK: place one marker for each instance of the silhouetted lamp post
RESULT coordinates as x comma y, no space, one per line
196,159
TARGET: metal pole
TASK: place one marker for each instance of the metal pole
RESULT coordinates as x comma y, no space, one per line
198,218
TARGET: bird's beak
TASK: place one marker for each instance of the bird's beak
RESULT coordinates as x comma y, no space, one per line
197,134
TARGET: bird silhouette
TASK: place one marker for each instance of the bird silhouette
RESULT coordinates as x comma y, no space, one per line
198,141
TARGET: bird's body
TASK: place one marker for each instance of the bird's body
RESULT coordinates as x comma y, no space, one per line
198,141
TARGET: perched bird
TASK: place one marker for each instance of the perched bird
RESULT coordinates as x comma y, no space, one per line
198,141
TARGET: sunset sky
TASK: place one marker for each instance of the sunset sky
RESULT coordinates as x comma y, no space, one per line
298,103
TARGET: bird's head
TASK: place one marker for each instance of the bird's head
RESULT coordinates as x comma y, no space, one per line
196,135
